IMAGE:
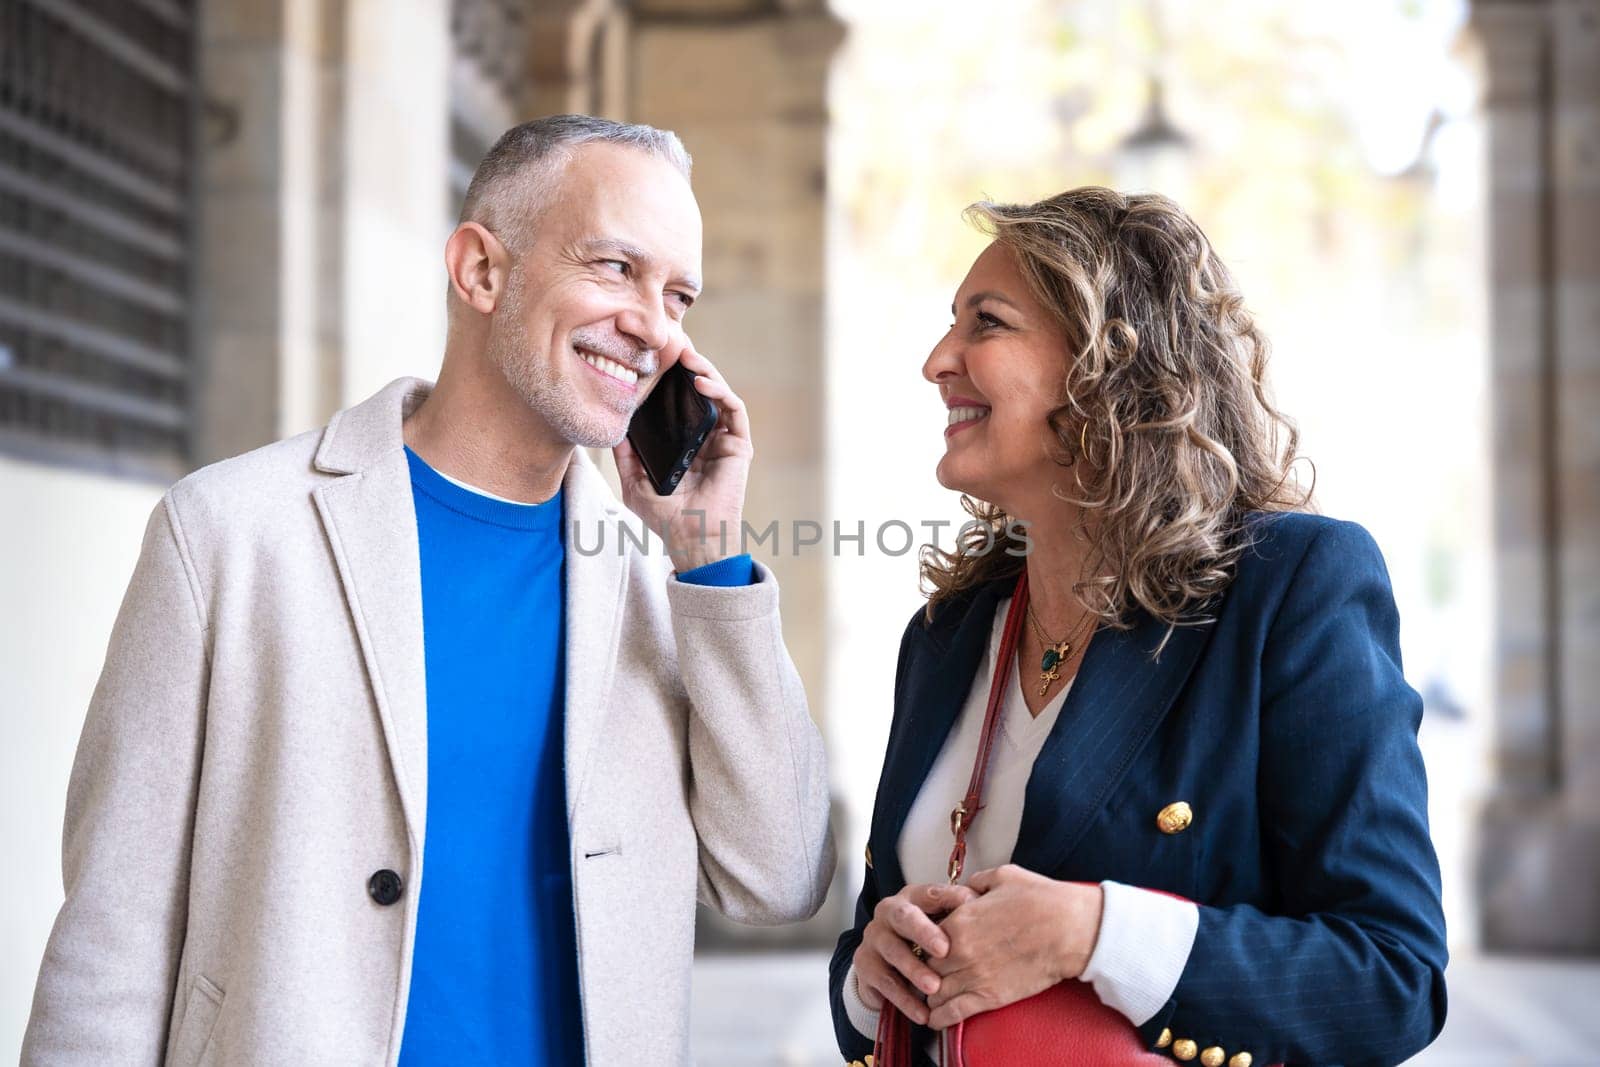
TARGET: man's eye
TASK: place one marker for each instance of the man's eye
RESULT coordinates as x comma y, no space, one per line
619,265
684,299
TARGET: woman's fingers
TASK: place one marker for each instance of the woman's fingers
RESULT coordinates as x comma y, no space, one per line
953,985
994,877
963,1006
897,954
945,898
892,988
885,962
912,923
868,992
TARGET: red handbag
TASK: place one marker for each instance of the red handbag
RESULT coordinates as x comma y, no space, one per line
1064,1025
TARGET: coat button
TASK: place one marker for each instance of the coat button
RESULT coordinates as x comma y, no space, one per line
1184,1049
869,857
1174,818
385,887
1165,1039
1241,1059
1212,1057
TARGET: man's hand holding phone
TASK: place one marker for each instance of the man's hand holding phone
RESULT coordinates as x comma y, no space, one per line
702,514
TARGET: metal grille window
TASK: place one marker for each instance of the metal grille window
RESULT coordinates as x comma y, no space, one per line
96,176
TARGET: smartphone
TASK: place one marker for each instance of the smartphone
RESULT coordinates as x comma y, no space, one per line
670,426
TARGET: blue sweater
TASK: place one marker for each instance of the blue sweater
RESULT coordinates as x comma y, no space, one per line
494,970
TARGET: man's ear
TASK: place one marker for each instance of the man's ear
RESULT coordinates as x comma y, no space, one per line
478,265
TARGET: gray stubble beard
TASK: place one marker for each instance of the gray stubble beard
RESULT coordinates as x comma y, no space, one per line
532,375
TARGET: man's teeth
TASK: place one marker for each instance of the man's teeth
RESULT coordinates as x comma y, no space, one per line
610,367
966,415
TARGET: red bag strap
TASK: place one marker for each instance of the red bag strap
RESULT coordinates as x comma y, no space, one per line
962,817
893,1045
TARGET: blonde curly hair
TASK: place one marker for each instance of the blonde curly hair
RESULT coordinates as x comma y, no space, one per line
1163,394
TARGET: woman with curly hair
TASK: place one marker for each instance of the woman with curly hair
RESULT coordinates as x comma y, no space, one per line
1205,699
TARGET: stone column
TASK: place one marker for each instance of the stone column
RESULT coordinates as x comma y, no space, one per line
1539,868
322,210
394,192
745,85
247,60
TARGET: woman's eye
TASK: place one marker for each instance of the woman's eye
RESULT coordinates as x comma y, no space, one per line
987,321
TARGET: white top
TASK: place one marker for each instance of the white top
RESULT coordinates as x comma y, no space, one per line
926,840
1144,939
481,492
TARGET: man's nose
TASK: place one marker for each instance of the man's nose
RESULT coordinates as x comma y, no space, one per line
648,324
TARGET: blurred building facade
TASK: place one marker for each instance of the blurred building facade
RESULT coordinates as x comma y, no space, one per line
221,221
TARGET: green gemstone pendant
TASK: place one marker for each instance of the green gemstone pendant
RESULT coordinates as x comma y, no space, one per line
1054,656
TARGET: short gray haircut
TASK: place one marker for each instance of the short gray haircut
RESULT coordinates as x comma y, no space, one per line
509,189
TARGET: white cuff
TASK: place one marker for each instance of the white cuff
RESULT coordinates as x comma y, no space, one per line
863,1018
1144,944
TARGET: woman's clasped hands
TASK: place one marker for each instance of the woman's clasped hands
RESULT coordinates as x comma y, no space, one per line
944,953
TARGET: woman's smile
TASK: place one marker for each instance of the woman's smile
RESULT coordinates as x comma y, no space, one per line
964,413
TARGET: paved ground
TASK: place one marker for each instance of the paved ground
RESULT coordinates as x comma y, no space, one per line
772,1010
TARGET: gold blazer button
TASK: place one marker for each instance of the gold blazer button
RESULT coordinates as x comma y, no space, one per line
1174,818
869,857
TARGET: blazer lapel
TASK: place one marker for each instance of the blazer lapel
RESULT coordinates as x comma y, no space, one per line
594,580
371,524
940,672
1119,698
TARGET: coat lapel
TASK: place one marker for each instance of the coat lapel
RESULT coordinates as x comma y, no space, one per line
1119,698
595,581
940,672
371,524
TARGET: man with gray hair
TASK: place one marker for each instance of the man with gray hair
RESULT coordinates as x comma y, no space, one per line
387,764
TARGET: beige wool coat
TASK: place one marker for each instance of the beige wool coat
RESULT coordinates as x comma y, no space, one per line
256,750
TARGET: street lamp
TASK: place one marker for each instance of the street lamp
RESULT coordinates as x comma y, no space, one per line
1154,157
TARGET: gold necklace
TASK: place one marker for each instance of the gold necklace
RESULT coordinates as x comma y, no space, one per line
1055,652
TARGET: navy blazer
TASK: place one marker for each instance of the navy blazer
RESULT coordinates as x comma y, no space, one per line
1288,727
